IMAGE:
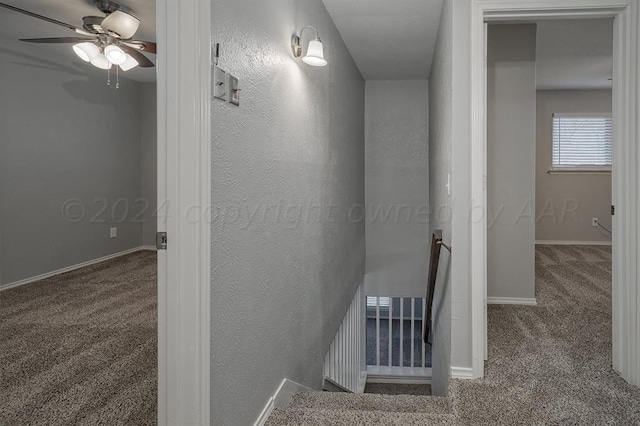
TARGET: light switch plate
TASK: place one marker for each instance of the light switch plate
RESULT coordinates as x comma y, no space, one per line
219,83
234,90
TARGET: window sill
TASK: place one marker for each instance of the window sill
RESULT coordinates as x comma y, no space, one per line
579,171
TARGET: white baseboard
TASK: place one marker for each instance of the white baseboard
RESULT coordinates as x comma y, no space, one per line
148,248
572,243
511,301
399,375
280,399
362,383
461,373
70,268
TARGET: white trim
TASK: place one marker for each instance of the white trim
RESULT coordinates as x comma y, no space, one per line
512,301
478,151
362,382
399,375
573,243
266,412
280,399
184,193
581,114
69,268
400,380
149,248
462,373
579,171
626,356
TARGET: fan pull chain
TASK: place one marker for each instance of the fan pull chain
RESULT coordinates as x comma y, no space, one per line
108,77
117,77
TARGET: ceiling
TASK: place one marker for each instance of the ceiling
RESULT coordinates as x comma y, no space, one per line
574,54
389,40
14,25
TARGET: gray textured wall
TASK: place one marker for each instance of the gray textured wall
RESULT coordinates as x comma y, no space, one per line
441,116
511,152
149,161
565,203
288,165
66,138
397,187
461,203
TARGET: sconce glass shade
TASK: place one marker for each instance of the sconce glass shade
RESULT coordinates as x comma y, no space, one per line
115,55
101,62
120,24
86,51
129,64
315,54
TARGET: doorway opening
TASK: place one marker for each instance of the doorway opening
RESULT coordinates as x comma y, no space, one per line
624,93
78,213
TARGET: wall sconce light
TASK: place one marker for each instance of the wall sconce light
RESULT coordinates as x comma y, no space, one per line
315,51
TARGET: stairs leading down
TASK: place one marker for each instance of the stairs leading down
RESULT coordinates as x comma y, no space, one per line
350,409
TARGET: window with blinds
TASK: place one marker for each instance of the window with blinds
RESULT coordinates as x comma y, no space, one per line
582,141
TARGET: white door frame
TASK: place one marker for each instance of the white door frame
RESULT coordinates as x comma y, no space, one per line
626,163
184,194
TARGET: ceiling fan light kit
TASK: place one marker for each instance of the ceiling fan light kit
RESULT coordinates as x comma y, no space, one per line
101,62
105,41
130,63
115,55
86,51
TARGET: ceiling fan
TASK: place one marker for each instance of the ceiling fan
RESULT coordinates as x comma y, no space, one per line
103,41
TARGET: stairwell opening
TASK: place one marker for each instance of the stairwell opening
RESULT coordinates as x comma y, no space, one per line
394,337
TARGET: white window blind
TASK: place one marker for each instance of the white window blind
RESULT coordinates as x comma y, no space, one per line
582,141
384,301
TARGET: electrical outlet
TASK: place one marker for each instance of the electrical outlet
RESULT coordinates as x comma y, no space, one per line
114,232
594,222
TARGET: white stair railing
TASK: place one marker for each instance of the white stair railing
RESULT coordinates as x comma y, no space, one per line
344,364
392,316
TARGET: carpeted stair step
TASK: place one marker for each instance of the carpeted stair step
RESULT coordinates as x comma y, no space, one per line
324,417
371,402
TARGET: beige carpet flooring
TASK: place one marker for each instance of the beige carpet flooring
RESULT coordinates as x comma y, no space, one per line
394,389
551,364
548,364
81,348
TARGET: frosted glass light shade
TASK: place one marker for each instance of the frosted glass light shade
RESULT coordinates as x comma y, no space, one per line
129,64
315,54
120,24
86,51
101,62
115,55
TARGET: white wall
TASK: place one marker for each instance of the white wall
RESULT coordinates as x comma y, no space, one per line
288,166
511,152
565,203
69,163
397,187
461,203
440,133
149,161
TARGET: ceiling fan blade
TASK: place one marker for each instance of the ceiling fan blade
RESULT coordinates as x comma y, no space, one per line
143,61
44,18
56,40
144,46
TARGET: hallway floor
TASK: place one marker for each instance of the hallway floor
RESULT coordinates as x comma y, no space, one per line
81,348
551,364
